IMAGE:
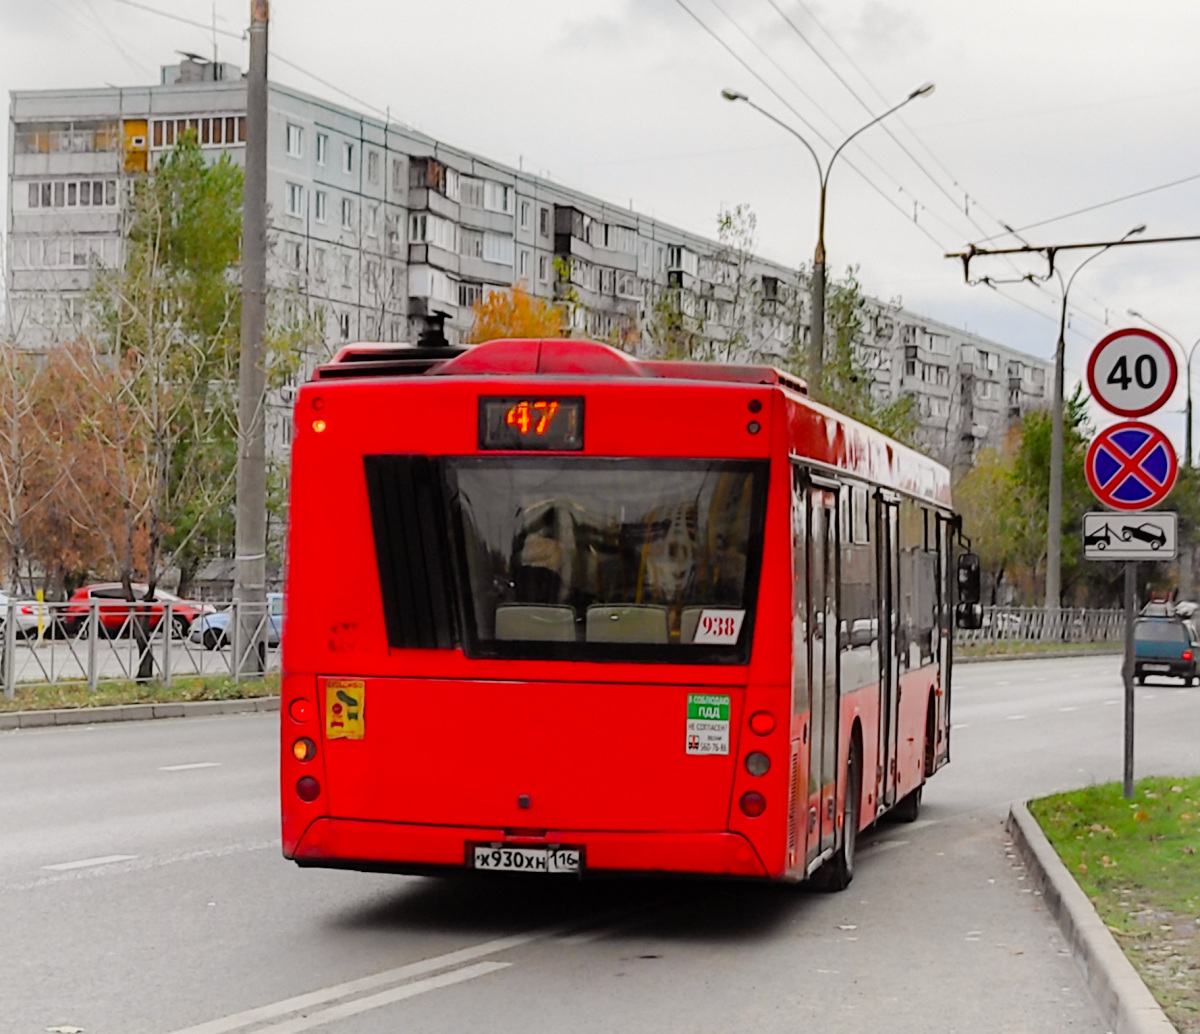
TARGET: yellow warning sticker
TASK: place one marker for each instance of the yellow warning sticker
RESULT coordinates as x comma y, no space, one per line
344,700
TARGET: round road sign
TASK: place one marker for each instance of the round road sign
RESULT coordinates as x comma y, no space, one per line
1131,466
1132,372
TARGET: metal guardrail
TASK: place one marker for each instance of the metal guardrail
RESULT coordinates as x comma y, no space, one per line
61,643
1041,625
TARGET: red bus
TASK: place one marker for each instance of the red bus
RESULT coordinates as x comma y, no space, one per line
554,609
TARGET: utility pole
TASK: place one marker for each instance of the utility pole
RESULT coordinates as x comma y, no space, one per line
249,586
817,344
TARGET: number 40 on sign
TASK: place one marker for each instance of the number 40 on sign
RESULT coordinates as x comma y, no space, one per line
1132,372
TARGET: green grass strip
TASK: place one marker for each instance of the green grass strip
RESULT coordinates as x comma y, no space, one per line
198,687
1139,863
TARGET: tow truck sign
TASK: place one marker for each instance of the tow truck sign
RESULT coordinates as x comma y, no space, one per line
1129,536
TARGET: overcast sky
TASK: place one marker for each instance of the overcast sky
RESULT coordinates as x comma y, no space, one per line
1040,108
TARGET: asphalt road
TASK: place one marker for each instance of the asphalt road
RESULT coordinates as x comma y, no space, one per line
142,892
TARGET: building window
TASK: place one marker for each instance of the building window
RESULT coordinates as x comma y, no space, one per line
34,195
319,263
373,167
347,157
397,175
498,248
910,368
344,325
347,214
544,222
523,264
321,206
394,333
497,197
295,199
322,148
295,141
470,192
525,209
59,194
373,221
432,229
544,268
295,255
346,262
469,294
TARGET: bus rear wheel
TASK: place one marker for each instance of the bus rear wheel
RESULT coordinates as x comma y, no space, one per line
909,807
837,873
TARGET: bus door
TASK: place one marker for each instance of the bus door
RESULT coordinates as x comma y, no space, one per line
945,630
888,568
823,667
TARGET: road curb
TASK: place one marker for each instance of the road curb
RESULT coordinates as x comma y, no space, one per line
1123,998
1052,655
134,712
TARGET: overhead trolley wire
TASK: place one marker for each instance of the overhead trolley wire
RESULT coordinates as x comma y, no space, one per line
819,135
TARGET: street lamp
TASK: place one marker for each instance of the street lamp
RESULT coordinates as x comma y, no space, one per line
817,347
1190,353
1054,516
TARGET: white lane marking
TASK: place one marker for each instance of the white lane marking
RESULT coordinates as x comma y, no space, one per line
960,725
1017,717
395,994
296,1003
85,863
1065,709
188,768
1111,703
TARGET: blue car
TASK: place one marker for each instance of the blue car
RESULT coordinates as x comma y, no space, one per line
212,630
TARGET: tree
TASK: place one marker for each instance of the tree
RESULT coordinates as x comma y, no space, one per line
515,313
162,369
847,378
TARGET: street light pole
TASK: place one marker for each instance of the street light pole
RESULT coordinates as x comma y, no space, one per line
817,344
1189,355
1054,514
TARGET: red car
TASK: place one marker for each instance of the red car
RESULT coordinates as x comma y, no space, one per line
114,609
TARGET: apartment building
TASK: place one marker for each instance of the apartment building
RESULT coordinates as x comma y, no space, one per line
377,230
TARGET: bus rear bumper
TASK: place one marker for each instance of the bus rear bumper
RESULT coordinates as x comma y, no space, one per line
406,848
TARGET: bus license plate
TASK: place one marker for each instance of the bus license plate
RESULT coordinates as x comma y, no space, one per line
526,859
1156,667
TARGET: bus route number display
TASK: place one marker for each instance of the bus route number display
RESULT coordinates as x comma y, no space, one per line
553,424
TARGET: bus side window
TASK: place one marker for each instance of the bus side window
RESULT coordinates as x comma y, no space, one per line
800,691
859,642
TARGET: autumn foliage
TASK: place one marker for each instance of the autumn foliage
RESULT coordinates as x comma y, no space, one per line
516,314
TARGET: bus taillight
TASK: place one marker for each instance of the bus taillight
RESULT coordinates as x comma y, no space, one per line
757,763
762,723
753,804
308,789
300,710
304,749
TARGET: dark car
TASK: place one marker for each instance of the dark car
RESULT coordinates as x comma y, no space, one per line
1165,646
1146,533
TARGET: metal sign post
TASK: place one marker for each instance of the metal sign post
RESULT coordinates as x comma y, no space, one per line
1130,467
1127,673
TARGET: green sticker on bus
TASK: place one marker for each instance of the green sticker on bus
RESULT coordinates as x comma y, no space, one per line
708,723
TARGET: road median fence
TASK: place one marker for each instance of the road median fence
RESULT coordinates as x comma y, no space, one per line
113,640
1045,625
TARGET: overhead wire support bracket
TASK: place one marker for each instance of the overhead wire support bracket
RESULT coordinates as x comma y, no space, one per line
1049,250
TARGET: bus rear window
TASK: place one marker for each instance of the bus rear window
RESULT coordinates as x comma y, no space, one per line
640,560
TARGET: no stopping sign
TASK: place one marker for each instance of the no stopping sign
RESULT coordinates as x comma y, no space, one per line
1132,372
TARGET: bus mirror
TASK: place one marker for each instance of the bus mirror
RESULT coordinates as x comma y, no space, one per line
969,615
968,579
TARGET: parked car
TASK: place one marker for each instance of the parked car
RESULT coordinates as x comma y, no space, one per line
1166,646
113,609
26,616
212,630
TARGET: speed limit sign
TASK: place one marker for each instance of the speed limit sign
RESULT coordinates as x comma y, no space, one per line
1132,372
